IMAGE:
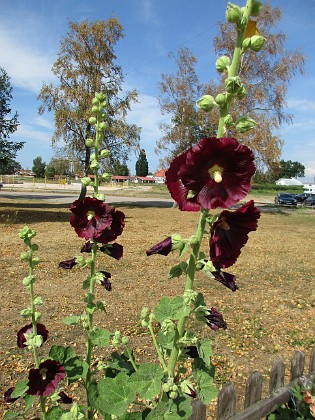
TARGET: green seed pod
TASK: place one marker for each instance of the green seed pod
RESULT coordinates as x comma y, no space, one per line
246,44
222,63
89,143
92,120
220,99
257,42
256,8
233,13
206,103
244,124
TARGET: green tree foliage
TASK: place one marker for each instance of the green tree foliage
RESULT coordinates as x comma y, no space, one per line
142,166
58,166
289,169
119,168
86,64
8,125
266,76
39,167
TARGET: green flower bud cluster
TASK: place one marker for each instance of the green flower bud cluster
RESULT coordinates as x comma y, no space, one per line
167,326
117,338
206,103
170,388
26,233
255,43
234,85
234,14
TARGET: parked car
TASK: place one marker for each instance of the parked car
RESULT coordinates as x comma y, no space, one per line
301,197
285,199
309,202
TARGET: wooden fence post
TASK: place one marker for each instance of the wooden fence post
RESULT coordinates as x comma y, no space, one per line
297,365
226,402
253,389
276,376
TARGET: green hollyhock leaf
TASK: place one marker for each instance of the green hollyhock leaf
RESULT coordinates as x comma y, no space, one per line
183,407
147,380
74,367
11,415
115,394
100,337
72,320
207,390
171,309
159,412
54,413
205,351
20,388
29,401
166,340
119,363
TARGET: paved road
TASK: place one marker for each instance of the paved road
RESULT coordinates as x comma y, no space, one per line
69,197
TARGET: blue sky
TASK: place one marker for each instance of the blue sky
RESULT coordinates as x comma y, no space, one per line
30,33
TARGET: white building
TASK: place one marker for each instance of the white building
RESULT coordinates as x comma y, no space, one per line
309,188
289,181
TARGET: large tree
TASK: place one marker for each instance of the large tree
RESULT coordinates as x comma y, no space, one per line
86,64
289,169
39,167
266,76
8,125
142,166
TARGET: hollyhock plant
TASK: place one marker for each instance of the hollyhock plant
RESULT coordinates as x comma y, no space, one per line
90,217
214,173
45,379
28,329
230,233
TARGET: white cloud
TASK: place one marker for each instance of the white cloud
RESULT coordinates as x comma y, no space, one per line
26,67
43,122
301,105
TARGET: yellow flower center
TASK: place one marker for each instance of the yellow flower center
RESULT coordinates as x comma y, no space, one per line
43,372
216,173
90,214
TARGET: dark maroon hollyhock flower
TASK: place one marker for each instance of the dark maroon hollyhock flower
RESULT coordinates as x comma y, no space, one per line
87,247
226,278
214,173
230,233
105,282
7,396
215,320
115,229
67,264
164,247
191,351
113,250
192,393
90,217
64,398
45,379
28,329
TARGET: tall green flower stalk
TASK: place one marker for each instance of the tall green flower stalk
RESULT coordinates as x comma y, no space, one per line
237,86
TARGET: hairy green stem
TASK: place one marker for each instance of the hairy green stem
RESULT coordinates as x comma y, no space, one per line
131,359
157,347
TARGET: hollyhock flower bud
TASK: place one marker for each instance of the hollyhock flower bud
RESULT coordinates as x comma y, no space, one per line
220,99
215,319
233,85
105,153
228,120
106,177
28,329
102,126
256,8
24,256
222,63
89,143
246,44
233,13
244,124
95,101
257,42
86,181
206,103
101,97
92,120
242,93
95,164
95,109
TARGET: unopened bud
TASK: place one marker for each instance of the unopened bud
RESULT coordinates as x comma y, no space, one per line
244,124
233,85
102,126
100,96
222,63
246,44
206,103
257,42
105,153
92,120
228,120
24,256
86,181
233,13
89,142
94,164
27,281
125,340
95,109
106,177
242,93
220,99
95,101
256,8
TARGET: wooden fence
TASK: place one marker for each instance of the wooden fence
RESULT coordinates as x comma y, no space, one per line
256,407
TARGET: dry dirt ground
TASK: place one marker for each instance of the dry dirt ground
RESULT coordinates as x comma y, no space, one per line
269,317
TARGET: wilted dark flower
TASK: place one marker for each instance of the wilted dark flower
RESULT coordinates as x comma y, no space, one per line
113,250
191,351
64,398
164,247
7,396
230,233
192,393
87,247
45,379
28,329
90,217
67,264
215,320
225,278
117,225
214,173
105,282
